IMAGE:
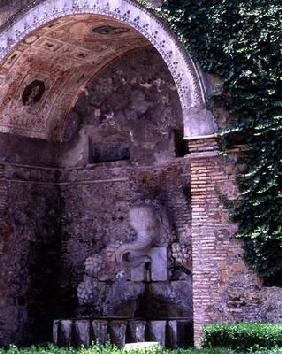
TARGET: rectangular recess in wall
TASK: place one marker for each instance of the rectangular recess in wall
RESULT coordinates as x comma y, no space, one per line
110,152
181,146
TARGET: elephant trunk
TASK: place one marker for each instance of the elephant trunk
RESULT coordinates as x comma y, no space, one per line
139,245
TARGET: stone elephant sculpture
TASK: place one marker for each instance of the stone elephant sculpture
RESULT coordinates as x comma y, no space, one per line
145,221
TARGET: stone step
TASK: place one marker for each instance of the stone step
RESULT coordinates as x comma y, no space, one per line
168,333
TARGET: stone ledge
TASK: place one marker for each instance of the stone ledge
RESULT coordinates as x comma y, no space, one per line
202,155
201,137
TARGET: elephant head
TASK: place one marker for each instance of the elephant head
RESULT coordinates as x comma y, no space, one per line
146,222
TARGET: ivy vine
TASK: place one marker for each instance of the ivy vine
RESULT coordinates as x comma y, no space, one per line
240,41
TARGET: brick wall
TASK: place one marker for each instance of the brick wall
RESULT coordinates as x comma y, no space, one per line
224,289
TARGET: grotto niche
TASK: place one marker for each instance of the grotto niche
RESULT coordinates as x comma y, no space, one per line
126,243
93,117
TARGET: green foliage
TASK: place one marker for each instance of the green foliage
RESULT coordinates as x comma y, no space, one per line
96,349
240,40
243,336
108,350
276,350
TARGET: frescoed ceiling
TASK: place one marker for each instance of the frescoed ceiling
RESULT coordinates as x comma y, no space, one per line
42,77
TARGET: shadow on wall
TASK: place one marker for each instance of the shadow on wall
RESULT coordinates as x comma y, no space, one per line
43,298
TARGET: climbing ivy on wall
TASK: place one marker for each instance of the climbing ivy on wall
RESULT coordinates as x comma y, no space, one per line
240,41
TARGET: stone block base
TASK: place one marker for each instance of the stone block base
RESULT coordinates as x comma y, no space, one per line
168,333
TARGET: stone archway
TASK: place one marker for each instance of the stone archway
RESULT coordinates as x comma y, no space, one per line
197,120
55,85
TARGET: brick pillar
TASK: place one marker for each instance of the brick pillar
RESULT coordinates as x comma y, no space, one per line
202,156
217,264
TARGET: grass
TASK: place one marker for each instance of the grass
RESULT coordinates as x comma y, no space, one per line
96,349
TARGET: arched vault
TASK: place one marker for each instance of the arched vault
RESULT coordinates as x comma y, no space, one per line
49,53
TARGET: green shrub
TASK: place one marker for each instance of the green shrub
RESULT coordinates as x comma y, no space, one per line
243,335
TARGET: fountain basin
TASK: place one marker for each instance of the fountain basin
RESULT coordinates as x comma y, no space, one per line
120,331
